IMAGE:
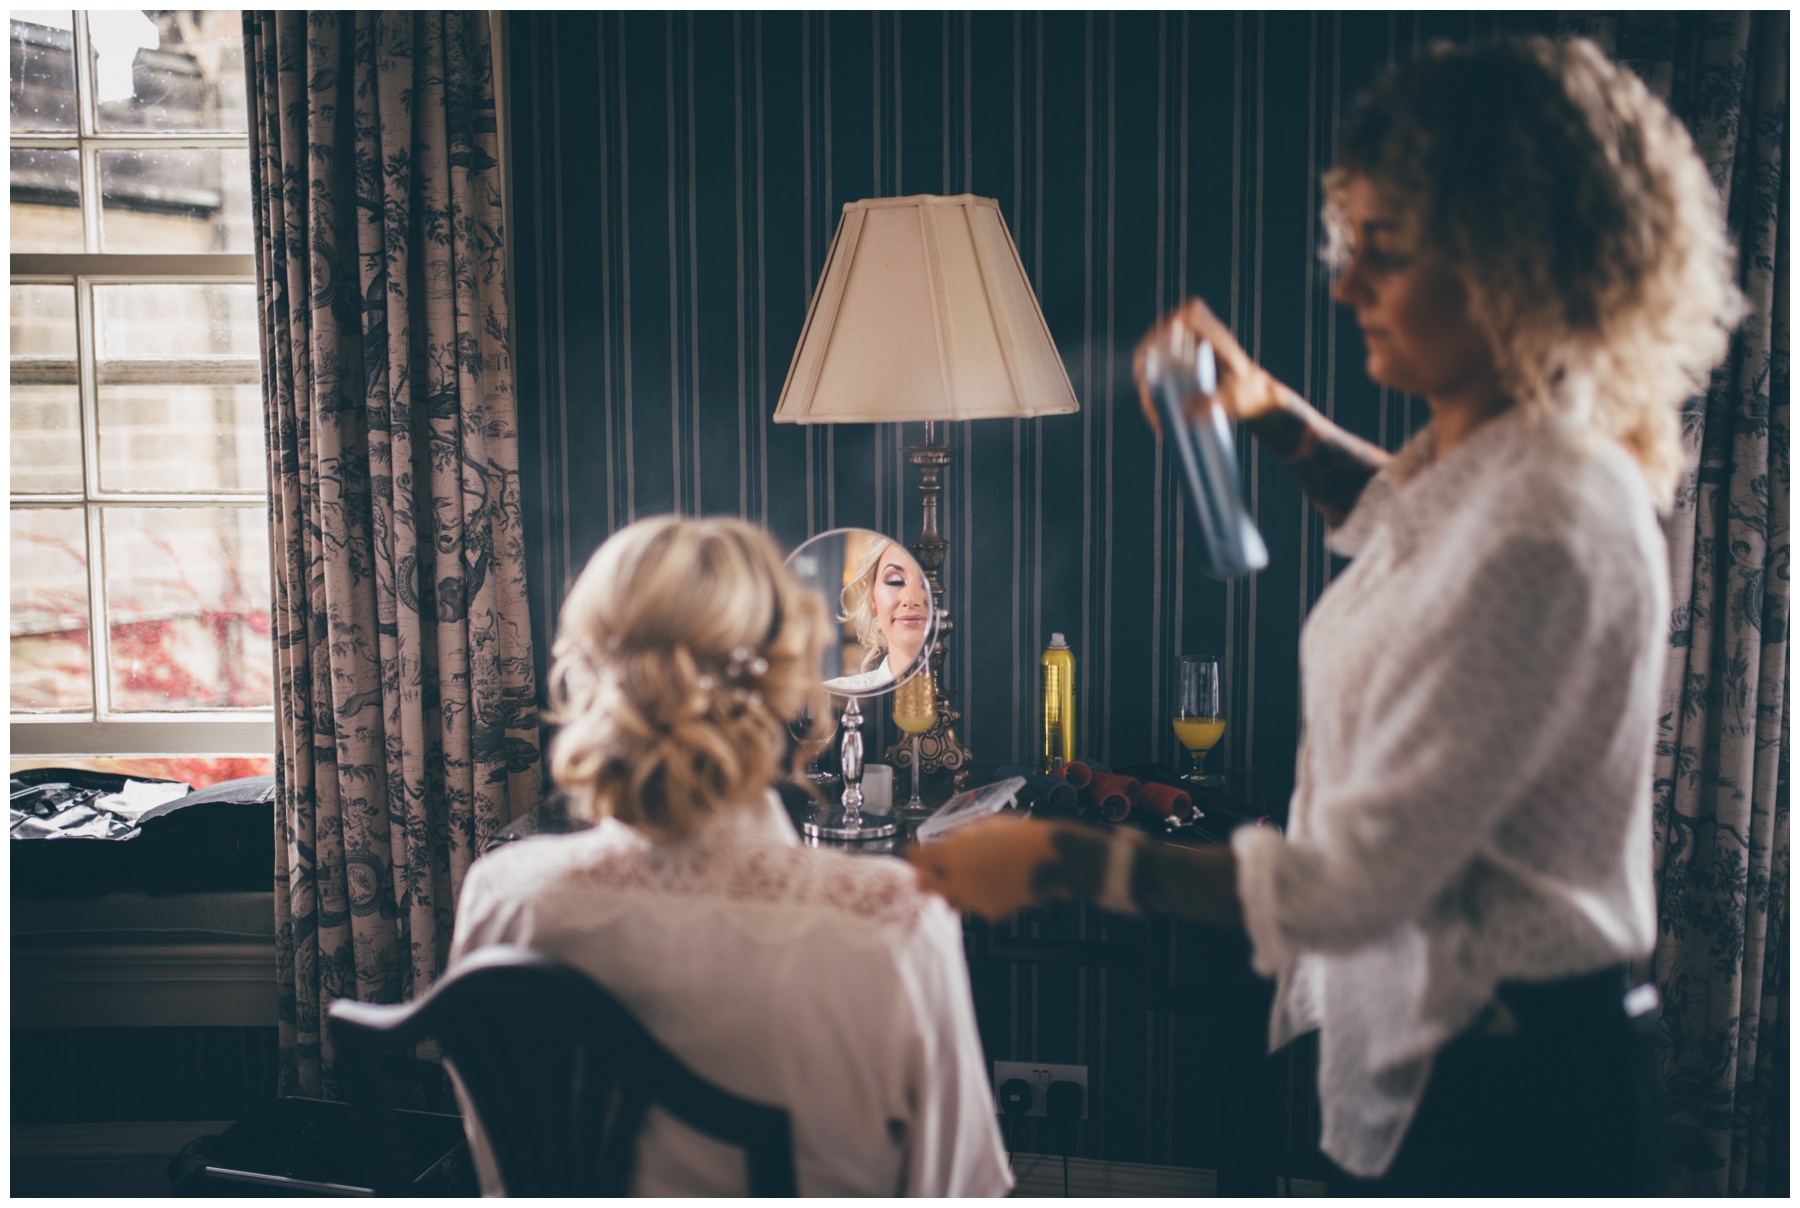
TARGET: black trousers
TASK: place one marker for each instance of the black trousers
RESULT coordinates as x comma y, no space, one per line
1554,1091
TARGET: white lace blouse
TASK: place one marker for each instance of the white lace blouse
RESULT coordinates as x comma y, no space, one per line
1472,801
866,681
814,980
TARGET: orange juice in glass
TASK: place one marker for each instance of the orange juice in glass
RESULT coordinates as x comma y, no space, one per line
1197,711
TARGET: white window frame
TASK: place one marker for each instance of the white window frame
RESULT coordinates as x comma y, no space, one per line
104,731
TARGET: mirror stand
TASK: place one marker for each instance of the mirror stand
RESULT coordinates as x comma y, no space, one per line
851,824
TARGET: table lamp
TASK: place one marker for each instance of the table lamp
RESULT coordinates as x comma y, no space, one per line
923,313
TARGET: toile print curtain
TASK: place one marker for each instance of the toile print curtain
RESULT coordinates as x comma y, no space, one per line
406,723
1721,797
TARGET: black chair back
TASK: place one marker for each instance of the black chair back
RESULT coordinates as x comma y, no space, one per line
559,1074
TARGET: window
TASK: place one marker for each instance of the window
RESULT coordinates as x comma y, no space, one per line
140,564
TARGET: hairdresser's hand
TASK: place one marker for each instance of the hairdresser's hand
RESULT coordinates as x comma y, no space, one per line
1246,389
986,867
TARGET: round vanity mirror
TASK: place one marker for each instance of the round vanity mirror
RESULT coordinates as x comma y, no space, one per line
886,625
875,590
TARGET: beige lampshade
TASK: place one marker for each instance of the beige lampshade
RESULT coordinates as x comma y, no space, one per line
924,313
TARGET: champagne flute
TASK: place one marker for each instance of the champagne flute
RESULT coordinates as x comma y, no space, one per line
1198,713
915,709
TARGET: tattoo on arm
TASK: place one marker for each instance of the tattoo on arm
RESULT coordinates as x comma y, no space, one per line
1188,883
1078,870
1331,465
1183,882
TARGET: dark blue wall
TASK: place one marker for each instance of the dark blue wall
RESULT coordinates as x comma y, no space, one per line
676,181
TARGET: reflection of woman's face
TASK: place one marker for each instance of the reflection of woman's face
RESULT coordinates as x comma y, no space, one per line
901,606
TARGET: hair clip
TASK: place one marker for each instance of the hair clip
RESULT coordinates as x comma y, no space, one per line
745,661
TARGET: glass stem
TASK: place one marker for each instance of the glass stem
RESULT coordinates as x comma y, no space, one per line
915,773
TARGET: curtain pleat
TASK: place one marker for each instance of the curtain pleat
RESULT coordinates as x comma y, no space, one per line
407,716
1721,804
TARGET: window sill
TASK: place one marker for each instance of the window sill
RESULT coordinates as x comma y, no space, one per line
163,735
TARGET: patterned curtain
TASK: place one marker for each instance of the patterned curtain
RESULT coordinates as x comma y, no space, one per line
407,724
1722,794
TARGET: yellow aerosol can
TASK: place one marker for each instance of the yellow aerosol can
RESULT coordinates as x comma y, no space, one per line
1057,671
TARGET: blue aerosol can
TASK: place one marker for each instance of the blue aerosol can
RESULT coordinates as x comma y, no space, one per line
1179,369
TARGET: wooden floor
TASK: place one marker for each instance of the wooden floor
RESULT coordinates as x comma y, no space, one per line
102,1160
117,1178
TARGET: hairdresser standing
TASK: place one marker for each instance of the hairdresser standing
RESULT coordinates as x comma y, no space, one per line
1528,240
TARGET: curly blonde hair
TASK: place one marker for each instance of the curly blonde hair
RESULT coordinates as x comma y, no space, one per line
1583,224
684,650
858,598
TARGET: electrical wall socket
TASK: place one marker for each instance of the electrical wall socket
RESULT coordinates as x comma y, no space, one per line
1040,1075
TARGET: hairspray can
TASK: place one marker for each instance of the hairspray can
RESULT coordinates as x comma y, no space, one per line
1057,669
1179,369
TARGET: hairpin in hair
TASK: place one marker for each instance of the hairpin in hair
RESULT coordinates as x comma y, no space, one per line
746,663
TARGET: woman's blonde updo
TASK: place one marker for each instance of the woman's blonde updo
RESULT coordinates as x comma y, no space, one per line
683,651
1582,221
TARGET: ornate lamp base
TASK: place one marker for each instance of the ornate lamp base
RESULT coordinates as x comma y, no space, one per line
939,748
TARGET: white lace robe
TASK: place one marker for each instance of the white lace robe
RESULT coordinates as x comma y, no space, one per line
1472,801
814,980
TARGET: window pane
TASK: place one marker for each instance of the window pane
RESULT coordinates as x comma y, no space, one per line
181,438
46,204
164,70
183,321
43,71
44,408
187,600
43,321
50,668
46,439
175,201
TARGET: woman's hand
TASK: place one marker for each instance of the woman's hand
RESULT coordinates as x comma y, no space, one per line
1246,390
1331,465
986,867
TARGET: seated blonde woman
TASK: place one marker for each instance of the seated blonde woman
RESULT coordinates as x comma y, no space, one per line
816,981
888,603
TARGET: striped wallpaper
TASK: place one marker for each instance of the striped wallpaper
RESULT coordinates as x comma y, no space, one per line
676,180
